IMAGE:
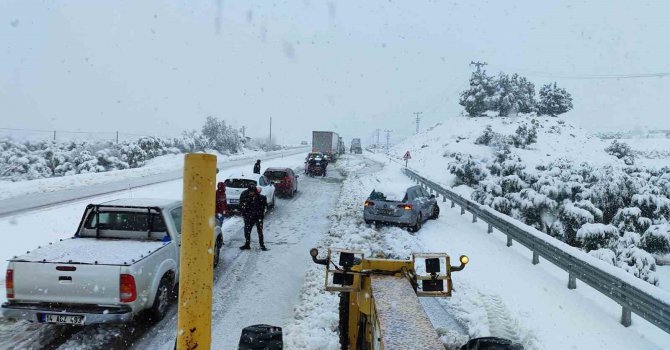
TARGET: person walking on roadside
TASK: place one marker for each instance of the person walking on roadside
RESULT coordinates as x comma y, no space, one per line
253,206
257,167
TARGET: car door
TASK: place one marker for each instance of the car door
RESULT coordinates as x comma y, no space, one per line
422,201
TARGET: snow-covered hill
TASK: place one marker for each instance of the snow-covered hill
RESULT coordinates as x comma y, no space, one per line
604,196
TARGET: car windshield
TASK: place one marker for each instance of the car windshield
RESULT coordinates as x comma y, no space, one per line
239,183
275,174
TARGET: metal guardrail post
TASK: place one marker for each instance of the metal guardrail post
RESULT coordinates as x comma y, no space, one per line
453,204
626,319
509,241
462,210
572,281
490,230
474,218
536,258
194,315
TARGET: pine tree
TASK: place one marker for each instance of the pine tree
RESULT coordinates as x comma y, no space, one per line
554,100
478,98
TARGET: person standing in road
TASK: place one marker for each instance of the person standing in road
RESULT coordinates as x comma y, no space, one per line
257,167
221,204
253,206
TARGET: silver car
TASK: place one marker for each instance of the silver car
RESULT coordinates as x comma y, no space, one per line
412,211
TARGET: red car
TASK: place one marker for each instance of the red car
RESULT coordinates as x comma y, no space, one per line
284,179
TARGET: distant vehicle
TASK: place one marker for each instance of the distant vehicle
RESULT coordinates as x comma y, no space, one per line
123,260
356,146
326,142
236,184
412,211
284,179
303,143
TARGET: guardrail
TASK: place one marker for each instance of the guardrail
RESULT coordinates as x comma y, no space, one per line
633,294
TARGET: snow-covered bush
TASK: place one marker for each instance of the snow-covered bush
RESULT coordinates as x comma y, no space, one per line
554,100
573,218
630,219
622,151
467,171
656,239
221,137
597,236
638,263
531,207
604,254
524,136
486,136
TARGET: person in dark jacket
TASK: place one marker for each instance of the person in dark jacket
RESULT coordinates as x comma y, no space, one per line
257,167
221,204
253,206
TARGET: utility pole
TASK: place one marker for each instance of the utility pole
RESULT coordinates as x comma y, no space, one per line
388,139
377,148
244,130
270,142
54,135
478,64
418,120
117,137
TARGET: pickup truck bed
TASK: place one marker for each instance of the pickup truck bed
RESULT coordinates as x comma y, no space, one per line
102,251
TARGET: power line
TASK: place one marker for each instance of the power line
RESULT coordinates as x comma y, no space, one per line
545,74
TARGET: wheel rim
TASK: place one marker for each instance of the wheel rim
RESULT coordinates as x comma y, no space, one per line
162,299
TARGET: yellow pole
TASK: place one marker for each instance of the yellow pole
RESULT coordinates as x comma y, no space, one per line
194,324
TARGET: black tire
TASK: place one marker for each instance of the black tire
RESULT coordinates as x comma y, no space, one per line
217,251
435,213
343,325
368,222
274,201
417,226
162,300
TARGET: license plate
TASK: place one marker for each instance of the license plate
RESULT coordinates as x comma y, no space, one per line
386,211
233,201
64,319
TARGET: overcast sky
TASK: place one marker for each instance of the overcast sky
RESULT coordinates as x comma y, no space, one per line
160,67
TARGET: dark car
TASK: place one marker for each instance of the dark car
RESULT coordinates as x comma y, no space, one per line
284,179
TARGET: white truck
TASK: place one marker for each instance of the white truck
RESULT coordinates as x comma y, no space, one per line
123,260
326,142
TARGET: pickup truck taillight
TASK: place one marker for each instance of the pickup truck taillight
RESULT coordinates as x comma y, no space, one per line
9,283
127,289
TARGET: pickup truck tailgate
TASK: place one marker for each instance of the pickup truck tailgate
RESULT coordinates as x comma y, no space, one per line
66,283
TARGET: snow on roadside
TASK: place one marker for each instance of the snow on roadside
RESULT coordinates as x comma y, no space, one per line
158,165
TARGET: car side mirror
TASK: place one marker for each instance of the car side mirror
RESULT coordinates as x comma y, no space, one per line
217,170
432,196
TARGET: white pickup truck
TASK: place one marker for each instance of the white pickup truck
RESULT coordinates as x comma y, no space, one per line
123,260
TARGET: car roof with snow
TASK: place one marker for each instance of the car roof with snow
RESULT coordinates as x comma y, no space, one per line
143,202
277,169
251,176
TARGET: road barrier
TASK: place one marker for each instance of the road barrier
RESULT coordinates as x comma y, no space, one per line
633,294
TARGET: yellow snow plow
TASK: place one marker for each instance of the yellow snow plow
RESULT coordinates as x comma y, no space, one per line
379,308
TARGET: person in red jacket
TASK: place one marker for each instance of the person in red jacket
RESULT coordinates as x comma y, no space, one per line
221,205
